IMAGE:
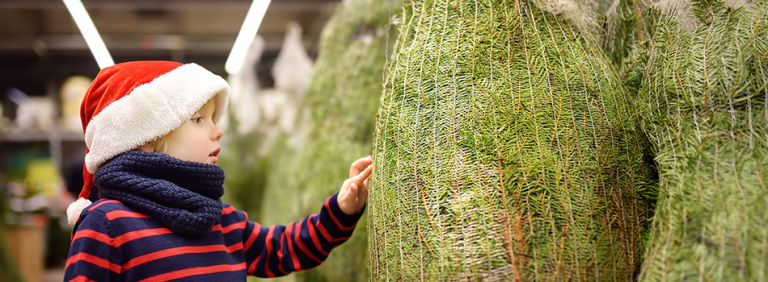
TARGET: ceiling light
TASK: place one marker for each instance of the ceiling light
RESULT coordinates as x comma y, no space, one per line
246,35
91,35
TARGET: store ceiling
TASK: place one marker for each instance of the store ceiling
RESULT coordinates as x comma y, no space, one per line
40,43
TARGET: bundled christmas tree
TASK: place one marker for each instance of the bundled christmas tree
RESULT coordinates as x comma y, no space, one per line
703,101
625,36
506,149
336,125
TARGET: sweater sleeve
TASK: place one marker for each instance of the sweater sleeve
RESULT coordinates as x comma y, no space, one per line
92,256
279,250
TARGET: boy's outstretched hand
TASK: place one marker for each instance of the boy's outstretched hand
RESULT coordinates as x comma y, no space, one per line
354,191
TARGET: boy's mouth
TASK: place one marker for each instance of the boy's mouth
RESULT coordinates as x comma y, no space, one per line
215,152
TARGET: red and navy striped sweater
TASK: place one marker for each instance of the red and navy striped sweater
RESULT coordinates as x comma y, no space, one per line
112,242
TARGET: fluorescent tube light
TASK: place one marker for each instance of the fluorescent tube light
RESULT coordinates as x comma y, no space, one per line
91,35
246,35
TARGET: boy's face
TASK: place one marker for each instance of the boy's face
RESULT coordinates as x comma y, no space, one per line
197,140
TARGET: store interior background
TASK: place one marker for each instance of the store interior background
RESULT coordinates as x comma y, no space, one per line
44,58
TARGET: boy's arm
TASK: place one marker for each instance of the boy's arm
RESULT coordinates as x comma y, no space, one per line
279,250
92,256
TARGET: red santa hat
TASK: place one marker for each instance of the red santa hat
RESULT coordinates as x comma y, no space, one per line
133,103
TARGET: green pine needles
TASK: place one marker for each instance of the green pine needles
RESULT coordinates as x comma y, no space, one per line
625,38
506,148
338,116
703,101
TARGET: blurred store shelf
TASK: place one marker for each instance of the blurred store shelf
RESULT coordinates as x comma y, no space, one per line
35,136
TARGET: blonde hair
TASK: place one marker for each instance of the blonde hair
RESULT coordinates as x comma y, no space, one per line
163,143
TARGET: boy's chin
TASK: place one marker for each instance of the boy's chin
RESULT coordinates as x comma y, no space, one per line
211,160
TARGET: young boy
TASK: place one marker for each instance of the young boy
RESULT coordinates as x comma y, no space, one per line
152,148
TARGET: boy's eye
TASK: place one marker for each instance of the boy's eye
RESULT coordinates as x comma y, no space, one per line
197,120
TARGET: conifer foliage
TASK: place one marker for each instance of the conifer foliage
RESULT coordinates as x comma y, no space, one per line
506,148
336,124
703,102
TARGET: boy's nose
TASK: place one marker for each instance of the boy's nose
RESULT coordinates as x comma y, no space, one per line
217,133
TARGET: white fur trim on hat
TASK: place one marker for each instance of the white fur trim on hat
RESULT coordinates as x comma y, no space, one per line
152,110
75,208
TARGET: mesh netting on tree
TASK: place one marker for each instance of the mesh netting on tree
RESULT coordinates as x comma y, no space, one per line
339,111
703,101
506,149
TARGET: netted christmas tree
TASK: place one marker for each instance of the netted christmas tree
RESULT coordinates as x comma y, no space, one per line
625,36
506,149
336,128
703,101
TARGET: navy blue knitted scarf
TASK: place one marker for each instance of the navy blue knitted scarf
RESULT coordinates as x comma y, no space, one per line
184,196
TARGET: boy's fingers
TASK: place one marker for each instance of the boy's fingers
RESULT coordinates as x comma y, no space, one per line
361,199
359,165
358,179
345,185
